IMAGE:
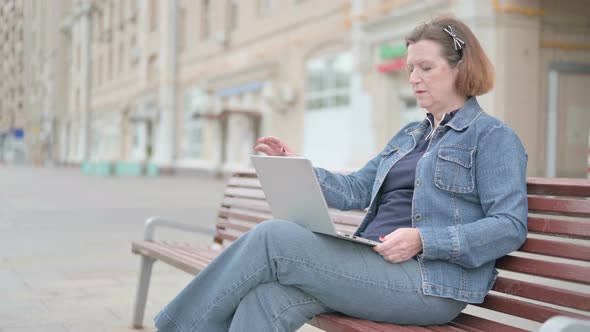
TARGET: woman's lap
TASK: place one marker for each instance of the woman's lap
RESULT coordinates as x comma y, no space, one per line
346,277
352,278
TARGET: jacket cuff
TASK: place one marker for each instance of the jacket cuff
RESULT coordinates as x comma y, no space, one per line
440,243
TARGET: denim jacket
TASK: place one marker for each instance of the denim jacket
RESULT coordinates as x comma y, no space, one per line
469,202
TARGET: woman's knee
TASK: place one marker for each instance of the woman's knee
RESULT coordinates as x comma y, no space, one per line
278,229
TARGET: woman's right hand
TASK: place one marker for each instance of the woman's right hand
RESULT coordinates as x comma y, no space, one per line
273,146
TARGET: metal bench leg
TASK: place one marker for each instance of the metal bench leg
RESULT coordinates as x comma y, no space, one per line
145,274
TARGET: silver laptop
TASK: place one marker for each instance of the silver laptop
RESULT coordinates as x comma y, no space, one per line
294,194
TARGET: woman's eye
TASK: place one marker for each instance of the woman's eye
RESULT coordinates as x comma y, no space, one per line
427,68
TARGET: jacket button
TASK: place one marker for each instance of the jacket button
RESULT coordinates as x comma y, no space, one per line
418,183
418,217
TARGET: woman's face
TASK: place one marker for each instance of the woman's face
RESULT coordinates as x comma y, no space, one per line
431,77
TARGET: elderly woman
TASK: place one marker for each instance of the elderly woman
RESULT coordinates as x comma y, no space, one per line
446,198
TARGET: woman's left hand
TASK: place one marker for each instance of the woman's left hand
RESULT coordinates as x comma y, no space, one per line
400,245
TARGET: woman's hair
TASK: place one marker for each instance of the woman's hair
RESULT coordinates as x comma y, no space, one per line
476,73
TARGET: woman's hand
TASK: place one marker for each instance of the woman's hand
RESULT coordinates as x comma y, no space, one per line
273,146
401,245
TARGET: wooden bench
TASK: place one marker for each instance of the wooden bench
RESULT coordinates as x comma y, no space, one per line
557,250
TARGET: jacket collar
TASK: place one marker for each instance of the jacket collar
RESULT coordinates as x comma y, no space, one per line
465,115
461,120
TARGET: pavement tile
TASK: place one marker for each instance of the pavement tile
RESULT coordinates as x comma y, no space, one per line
11,281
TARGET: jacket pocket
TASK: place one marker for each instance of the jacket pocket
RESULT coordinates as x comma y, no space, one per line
454,168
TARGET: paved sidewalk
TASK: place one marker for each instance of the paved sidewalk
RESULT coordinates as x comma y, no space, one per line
65,258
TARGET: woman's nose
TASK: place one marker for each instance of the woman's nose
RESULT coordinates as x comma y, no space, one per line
414,77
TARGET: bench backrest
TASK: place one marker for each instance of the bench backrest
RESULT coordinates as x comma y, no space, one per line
548,276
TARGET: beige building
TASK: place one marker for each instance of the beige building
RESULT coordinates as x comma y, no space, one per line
188,85
541,52
47,59
12,87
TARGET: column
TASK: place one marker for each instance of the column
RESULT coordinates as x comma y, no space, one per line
165,144
85,73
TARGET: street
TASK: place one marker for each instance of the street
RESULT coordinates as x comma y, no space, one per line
65,245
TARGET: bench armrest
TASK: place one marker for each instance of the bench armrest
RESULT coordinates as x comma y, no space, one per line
565,324
153,222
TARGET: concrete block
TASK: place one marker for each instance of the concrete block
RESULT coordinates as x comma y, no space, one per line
128,168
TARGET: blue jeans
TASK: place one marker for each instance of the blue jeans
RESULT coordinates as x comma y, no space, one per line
279,275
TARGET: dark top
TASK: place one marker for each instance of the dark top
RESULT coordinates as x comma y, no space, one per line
395,208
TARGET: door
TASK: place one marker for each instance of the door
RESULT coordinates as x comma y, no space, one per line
568,131
328,116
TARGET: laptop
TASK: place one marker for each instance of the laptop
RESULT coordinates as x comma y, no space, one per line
294,194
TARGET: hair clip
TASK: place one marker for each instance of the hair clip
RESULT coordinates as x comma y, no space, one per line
456,40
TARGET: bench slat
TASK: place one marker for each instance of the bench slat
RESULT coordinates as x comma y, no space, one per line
244,182
209,254
338,217
341,323
562,206
526,310
181,251
482,324
245,173
557,249
346,218
202,256
444,328
226,224
144,248
244,193
561,271
464,327
547,294
226,236
558,187
569,228
246,204
227,213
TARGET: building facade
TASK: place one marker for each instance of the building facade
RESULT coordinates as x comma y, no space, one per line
189,85
46,78
12,85
541,53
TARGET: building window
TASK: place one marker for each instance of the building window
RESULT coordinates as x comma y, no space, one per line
265,7
111,16
94,71
181,29
328,82
234,11
192,143
122,5
78,56
99,76
103,25
121,57
205,19
77,101
134,52
96,30
110,63
153,15
153,71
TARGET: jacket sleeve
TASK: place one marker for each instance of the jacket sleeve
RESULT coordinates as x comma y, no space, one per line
348,192
500,177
